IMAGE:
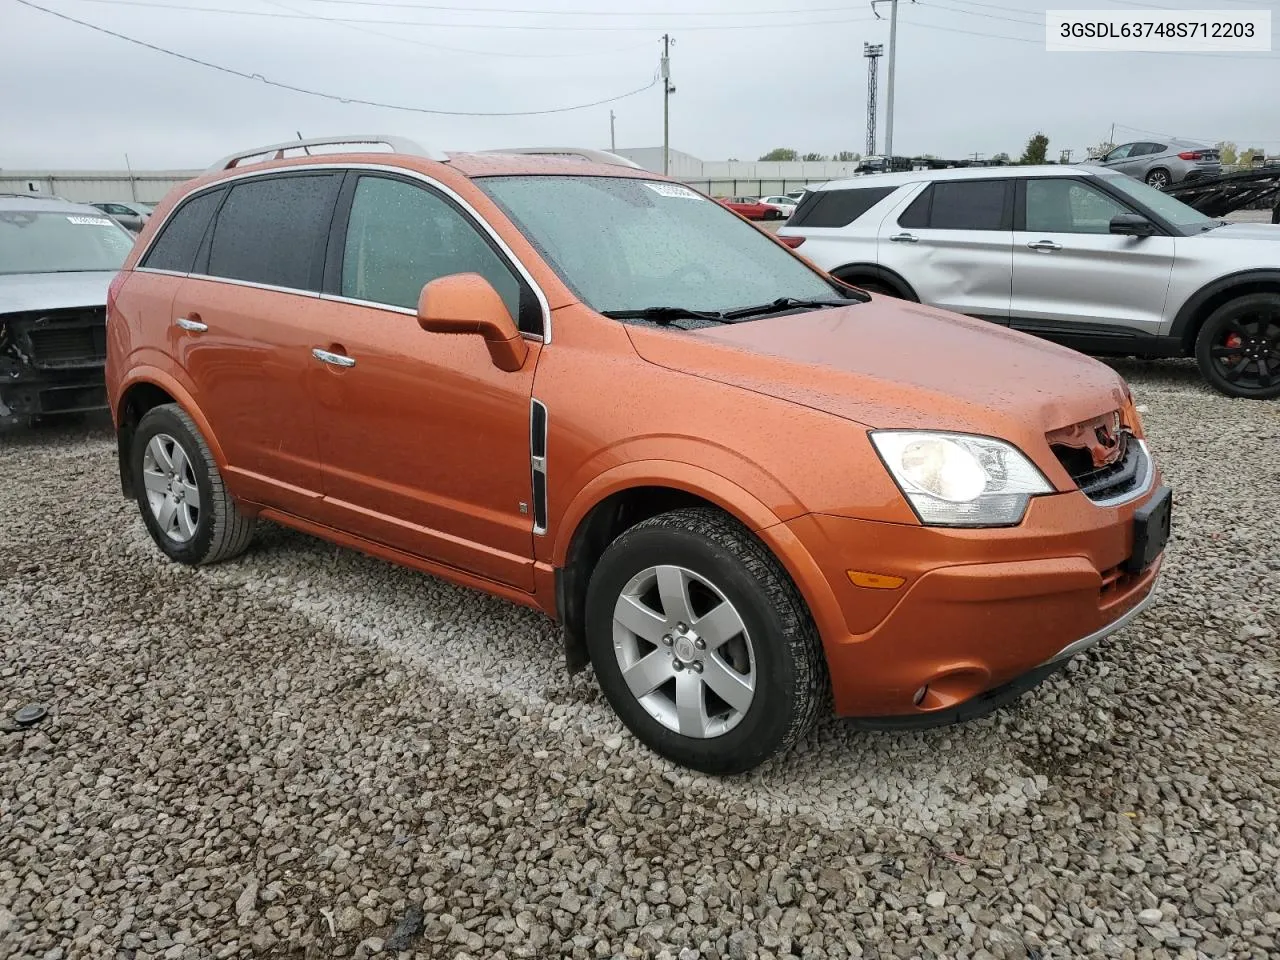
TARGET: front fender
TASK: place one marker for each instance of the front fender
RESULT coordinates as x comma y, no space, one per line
758,517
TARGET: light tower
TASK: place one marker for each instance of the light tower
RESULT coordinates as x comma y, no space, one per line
872,51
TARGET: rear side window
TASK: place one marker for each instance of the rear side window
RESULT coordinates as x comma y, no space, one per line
837,208
273,231
968,205
175,249
961,205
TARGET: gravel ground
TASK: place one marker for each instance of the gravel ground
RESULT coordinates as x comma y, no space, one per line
310,753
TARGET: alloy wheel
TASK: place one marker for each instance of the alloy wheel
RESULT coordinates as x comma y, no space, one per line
684,651
172,492
1248,354
1158,179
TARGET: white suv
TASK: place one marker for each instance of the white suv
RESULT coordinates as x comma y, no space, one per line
1095,260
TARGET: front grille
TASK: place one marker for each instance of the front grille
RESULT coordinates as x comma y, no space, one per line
73,341
1122,476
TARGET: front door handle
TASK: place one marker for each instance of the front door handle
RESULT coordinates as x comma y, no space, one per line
1044,245
335,359
904,238
191,323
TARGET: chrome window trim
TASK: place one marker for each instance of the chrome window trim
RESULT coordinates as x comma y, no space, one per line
166,273
480,222
391,308
295,291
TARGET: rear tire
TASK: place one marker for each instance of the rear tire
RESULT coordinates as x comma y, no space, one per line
746,631
1159,178
180,492
1238,348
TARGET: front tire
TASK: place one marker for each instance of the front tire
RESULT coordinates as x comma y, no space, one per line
1238,348
702,644
180,492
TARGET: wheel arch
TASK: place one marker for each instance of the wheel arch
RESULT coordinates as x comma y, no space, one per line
1198,307
145,388
630,494
852,272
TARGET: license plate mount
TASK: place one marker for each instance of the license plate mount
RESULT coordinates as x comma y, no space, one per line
1151,526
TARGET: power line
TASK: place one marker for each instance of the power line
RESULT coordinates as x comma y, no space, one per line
401,5
479,53
331,96
976,13
1166,136
155,4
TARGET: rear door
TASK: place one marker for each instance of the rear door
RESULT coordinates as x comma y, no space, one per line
1072,278
953,242
241,331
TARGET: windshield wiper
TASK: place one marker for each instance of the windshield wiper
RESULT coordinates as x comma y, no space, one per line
786,303
664,315
1215,225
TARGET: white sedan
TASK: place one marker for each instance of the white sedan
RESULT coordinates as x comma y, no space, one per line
786,204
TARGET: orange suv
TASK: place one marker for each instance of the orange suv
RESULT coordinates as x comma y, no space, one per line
749,493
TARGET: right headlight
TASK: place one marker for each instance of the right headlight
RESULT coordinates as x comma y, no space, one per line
958,479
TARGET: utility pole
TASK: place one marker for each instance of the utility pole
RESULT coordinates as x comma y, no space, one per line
872,51
893,52
613,140
668,88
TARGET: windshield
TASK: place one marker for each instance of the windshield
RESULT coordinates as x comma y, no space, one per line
626,244
44,242
1160,203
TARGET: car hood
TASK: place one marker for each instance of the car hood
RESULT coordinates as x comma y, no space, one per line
1243,231
23,292
888,363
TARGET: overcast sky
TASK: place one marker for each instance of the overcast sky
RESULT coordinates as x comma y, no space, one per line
749,77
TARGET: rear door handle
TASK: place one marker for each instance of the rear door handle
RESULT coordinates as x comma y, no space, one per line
336,359
1044,245
191,323
904,238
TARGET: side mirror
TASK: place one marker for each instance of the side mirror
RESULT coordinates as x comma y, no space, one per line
1132,225
467,303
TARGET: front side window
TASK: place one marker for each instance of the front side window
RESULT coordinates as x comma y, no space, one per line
175,249
37,241
1061,205
623,243
401,236
272,231
1121,152
1172,210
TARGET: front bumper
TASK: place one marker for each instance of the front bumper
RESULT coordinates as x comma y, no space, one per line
978,610
31,393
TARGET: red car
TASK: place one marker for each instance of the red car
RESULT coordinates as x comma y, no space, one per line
751,208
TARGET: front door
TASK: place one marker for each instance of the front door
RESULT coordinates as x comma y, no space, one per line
240,329
424,442
953,243
1073,278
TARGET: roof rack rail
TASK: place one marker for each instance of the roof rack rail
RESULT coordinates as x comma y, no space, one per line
397,145
599,156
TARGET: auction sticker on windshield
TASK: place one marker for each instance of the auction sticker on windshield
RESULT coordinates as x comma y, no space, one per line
674,190
91,221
